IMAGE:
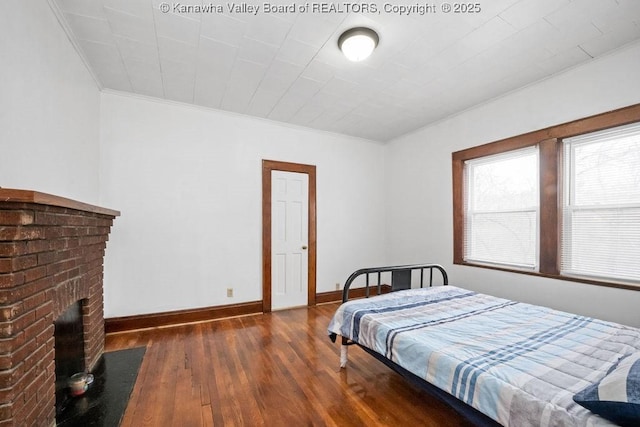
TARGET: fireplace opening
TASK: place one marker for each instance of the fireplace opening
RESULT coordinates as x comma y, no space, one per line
69,351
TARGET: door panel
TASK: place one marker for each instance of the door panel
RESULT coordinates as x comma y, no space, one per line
289,231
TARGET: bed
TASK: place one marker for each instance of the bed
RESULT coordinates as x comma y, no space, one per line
496,361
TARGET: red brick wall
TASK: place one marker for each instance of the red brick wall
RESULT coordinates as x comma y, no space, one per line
50,257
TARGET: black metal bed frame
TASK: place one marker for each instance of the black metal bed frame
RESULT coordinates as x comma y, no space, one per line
401,278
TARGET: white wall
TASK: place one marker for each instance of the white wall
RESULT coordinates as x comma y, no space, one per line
188,183
419,169
49,106
188,180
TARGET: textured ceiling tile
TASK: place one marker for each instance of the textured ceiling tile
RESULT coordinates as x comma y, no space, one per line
630,7
140,8
287,107
417,54
402,88
135,49
338,87
501,67
327,119
305,88
243,83
209,89
263,101
580,12
564,60
246,73
91,29
496,7
369,109
215,54
520,78
104,55
182,9
571,35
223,28
257,51
307,114
114,79
489,34
92,8
109,65
281,75
527,12
319,71
540,33
145,78
620,35
131,26
393,70
288,65
618,16
289,14
296,52
455,55
269,29
236,98
177,51
345,102
177,27
361,74
178,80
310,30
447,32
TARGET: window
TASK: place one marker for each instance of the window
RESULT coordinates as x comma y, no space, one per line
571,209
601,209
501,221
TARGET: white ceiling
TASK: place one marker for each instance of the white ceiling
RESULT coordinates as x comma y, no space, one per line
287,67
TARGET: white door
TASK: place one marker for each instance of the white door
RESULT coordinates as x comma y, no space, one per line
289,234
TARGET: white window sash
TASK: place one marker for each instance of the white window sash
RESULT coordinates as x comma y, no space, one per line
613,256
471,213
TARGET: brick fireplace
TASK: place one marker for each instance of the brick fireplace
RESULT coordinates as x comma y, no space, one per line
51,256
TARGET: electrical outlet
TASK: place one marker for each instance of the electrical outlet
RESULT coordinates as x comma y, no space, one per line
337,286
230,292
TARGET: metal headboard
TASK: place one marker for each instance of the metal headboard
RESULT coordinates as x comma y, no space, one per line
400,277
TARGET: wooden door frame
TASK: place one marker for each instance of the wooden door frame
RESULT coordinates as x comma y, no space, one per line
310,170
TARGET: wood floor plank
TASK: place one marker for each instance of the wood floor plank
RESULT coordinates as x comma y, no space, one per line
274,369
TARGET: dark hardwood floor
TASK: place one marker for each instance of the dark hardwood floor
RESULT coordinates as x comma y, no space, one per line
277,369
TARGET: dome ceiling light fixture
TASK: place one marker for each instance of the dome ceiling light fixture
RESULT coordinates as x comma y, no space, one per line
358,43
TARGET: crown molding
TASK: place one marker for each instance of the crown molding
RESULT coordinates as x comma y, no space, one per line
59,14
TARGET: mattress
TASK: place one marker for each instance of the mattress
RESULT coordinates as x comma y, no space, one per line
518,363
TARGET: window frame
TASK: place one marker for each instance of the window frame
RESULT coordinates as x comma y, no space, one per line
470,208
549,141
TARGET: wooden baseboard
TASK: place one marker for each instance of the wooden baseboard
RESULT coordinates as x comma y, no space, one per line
155,320
335,296
331,296
171,318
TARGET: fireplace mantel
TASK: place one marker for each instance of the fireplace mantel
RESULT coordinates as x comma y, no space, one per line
51,256
30,196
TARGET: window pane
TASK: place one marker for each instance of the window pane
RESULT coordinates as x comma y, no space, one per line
604,243
607,172
501,220
601,212
503,238
505,182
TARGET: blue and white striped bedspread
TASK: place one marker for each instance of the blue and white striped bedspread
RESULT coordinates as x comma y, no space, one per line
520,364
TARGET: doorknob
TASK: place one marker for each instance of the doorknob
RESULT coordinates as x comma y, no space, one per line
304,247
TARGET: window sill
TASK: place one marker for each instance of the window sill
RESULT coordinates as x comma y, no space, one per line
587,281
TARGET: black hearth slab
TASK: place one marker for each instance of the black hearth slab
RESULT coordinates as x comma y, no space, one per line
105,401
